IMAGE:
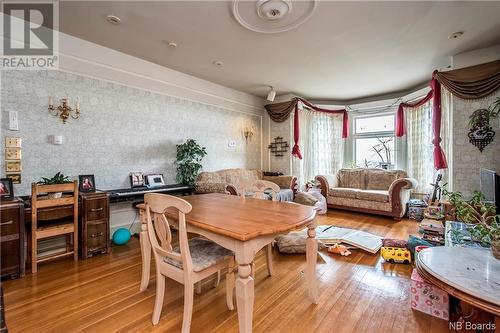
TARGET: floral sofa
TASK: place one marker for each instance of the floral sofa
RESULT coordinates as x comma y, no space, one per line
376,191
227,180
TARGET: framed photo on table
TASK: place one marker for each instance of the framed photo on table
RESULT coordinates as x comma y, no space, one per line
86,183
136,179
6,188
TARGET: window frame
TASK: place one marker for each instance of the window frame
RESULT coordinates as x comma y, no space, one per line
371,135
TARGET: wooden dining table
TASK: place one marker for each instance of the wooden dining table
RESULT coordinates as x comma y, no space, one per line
243,225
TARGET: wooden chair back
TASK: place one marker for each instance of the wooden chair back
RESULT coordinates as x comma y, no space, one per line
159,228
260,188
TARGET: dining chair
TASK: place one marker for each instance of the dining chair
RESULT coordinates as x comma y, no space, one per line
261,189
189,262
42,197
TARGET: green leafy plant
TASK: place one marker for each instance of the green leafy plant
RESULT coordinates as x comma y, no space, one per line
490,113
483,225
189,156
472,211
59,178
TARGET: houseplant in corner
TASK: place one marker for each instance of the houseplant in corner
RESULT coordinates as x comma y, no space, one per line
189,156
483,226
58,178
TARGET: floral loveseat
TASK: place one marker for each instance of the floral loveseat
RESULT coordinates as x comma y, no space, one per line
227,180
376,191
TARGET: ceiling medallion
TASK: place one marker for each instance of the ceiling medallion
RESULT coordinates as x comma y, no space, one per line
272,16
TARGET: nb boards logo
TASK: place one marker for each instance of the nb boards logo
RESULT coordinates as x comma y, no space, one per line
30,39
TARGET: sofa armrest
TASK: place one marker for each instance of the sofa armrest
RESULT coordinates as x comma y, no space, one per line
399,195
288,182
209,187
231,189
326,182
402,183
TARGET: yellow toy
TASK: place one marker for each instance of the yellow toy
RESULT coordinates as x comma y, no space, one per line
396,254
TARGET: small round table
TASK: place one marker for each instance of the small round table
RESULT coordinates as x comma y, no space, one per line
471,275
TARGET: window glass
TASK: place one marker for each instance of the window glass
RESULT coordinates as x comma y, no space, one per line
375,124
375,152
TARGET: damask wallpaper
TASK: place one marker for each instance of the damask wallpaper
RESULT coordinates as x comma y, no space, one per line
121,129
467,159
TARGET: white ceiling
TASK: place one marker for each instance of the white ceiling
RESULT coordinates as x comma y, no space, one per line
346,50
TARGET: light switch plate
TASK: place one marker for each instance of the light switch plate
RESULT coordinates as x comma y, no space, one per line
13,166
12,153
11,142
13,121
16,177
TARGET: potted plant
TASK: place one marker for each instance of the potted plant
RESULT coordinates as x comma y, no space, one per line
58,178
189,156
484,226
492,112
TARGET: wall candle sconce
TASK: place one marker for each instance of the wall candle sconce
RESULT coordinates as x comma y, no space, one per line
248,133
64,111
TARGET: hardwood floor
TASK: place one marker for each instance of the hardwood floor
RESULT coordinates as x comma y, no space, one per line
359,293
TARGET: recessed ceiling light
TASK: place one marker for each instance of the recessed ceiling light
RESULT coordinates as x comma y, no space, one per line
456,35
113,19
172,45
218,63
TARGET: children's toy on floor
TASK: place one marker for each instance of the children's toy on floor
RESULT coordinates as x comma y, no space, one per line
395,251
416,209
339,249
428,298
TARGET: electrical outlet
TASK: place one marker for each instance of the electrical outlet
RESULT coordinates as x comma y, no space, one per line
231,144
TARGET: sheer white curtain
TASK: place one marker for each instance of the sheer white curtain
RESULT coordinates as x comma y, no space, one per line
321,145
419,138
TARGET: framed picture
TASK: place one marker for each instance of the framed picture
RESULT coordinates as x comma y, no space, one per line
86,183
136,179
14,177
13,166
6,188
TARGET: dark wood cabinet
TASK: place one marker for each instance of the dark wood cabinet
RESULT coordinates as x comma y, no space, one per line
12,233
94,224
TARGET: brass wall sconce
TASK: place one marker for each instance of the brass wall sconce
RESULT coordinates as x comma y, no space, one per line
248,133
64,111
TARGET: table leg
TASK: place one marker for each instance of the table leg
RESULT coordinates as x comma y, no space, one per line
245,297
312,255
145,252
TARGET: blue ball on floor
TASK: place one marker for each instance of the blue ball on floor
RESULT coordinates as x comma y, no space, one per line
121,236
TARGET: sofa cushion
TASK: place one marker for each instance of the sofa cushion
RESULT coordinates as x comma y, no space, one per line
342,192
356,204
382,179
351,178
373,195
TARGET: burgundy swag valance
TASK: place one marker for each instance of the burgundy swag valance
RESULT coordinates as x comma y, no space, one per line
468,83
279,112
